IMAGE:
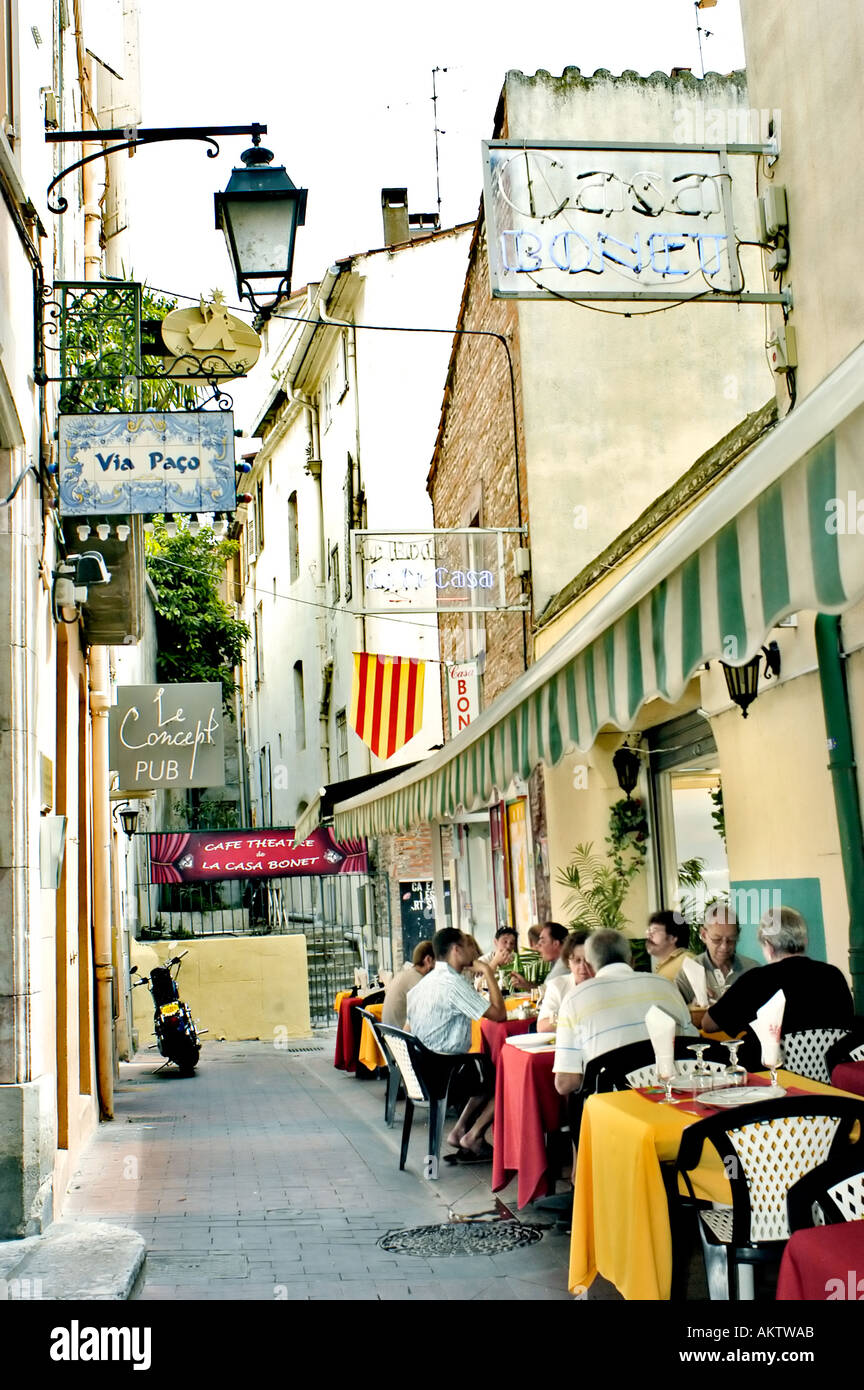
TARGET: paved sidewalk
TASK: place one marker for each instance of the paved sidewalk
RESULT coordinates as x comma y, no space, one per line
270,1175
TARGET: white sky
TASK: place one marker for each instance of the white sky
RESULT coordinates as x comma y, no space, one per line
345,90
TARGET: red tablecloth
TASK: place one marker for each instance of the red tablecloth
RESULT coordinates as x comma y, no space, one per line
527,1108
825,1263
849,1076
496,1034
346,1042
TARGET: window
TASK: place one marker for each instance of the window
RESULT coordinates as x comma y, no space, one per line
258,634
293,539
259,514
342,744
341,369
334,574
299,706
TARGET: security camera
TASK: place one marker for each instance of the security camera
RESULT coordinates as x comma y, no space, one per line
90,568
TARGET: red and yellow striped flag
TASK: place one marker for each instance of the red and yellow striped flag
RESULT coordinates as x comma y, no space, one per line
387,700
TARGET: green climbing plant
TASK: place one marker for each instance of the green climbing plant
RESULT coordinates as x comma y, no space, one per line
198,637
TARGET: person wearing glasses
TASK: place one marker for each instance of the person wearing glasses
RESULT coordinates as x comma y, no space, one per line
720,959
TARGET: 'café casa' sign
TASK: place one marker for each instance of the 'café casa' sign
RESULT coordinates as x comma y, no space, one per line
167,737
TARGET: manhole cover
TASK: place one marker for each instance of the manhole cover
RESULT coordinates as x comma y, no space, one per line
461,1238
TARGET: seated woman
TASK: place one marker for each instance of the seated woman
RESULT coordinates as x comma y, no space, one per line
573,955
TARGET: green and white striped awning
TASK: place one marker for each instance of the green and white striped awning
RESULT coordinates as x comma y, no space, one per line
763,544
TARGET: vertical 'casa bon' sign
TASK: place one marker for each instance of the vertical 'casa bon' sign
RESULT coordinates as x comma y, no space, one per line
167,737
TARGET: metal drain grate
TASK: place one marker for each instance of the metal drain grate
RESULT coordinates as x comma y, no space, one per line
314,1047
462,1238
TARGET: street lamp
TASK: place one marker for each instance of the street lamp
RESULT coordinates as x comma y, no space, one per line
128,818
259,212
626,763
742,682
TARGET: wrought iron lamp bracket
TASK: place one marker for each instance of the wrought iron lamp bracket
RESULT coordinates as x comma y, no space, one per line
131,138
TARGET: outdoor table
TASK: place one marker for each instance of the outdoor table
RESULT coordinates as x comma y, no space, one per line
370,1054
824,1263
849,1076
346,1047
527,1108
621,1223
494,1035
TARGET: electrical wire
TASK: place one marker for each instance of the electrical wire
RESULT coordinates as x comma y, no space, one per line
402,619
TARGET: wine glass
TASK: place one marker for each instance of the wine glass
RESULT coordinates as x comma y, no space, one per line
735,1074
701,1074
665,1074
774,1067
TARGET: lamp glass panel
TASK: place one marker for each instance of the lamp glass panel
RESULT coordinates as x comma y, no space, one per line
263,233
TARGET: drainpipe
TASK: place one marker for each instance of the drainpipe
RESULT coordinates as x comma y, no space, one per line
841,764
100,697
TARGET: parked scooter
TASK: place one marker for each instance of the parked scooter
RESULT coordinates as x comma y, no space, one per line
176,1034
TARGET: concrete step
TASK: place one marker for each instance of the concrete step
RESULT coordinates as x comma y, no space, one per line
71,1261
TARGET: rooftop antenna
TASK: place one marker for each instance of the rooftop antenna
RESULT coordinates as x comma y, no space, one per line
703,5
438,132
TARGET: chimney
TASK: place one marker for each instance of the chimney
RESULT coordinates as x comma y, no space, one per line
394,206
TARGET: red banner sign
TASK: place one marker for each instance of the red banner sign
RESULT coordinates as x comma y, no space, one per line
190,857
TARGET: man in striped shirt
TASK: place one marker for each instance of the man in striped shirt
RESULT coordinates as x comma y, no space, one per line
609,1011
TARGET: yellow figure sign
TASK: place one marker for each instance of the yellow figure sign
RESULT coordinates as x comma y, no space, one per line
210,342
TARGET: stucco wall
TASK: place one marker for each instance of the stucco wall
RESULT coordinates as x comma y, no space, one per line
237,987
805,62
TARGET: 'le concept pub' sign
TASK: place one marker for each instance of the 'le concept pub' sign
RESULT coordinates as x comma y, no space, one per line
167,737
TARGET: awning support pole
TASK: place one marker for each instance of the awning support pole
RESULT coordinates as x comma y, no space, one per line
841,764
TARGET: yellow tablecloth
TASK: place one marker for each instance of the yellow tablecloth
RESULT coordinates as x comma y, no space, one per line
620,1212
343,994
370,1053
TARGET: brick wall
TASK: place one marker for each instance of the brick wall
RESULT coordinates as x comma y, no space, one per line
401,858
474,470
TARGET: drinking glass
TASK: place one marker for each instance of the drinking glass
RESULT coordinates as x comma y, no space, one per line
701,1075
666,1074
774,1067
735,1074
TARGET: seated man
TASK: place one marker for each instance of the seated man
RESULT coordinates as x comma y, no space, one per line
395,1009
666,942
440,1010
720,959
817,995
552,938
531,969
609,1011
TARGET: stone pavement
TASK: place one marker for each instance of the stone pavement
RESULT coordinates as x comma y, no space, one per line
270,1175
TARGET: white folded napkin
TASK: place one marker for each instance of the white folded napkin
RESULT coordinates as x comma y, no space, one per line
661,1031
767,1025
695,975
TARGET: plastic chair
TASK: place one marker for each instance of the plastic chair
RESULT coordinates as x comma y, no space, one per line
764,1149
830,1194
393,1080
634,1065
804,1053
850,1047
426,1082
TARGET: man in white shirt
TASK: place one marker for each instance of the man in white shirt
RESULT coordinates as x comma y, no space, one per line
395,1009
609,1011
552,938
440,1010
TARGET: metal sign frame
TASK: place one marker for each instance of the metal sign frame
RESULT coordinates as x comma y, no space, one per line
734,296
442,609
